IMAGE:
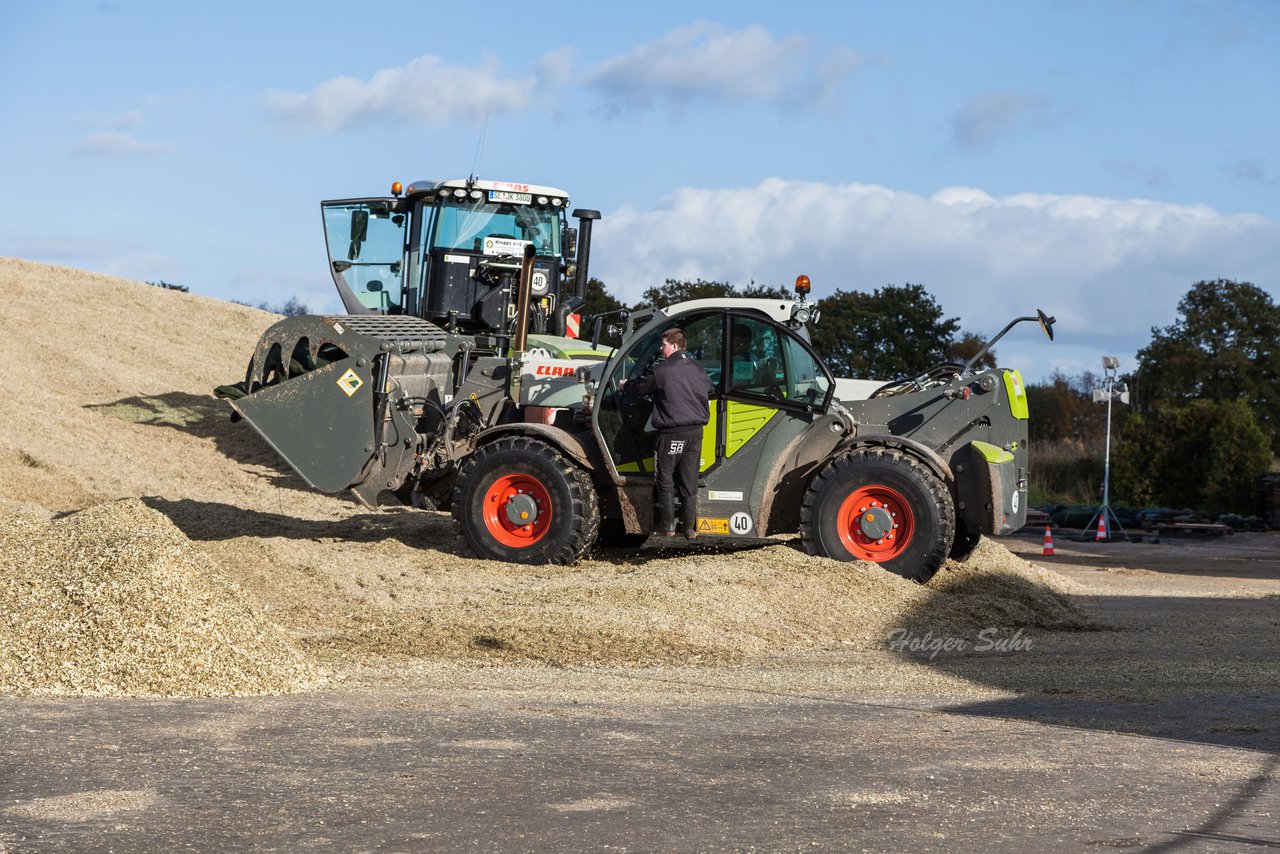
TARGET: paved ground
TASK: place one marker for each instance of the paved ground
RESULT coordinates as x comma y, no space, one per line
1149,751
382,772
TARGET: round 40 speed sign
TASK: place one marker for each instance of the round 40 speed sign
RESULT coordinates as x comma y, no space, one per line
740,523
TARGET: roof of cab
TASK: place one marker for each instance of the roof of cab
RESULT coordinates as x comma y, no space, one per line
502,186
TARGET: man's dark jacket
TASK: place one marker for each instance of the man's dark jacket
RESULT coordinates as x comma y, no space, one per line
680,389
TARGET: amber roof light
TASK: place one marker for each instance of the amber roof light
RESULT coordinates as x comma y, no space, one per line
802,284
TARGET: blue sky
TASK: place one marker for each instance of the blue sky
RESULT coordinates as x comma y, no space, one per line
1094,159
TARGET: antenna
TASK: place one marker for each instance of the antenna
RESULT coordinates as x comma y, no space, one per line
484,131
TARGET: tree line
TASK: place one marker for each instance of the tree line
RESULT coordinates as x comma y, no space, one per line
1201,427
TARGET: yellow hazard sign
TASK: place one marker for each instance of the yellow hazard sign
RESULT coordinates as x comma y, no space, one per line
713,526
350,382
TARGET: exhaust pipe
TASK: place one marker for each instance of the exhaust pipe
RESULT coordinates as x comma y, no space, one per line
585,217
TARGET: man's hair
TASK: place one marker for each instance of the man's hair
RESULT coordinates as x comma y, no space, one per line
676,337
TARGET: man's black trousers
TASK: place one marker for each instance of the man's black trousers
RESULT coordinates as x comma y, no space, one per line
676,455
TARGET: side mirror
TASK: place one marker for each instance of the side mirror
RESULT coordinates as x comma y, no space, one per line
569,243
359,231
1046,323
595,331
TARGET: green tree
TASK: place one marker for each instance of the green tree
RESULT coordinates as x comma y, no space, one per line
1063,408
599,300
1225,346
293,307
1205,454
757,291
673,291
894,332
170,286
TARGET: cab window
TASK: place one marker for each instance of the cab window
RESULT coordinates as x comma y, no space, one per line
766,362
366,247
472,224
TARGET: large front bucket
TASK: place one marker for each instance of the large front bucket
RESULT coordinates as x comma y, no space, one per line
321,423
312,391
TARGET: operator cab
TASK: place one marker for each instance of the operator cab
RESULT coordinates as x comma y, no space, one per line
765,375
449,252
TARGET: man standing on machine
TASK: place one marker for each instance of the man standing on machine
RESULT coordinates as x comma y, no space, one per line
680,389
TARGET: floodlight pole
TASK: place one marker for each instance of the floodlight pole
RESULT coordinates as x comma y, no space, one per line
1109,367
1106,464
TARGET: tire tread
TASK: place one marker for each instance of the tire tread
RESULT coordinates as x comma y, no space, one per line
584,509
937,491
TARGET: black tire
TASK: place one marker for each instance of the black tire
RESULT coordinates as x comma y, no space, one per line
834,522
614,536
562,492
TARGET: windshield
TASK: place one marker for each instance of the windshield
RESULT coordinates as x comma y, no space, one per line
496,229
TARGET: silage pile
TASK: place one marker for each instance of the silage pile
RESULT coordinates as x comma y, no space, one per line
703,606
115,601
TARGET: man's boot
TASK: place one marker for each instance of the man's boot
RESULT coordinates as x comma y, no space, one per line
666,514
689,517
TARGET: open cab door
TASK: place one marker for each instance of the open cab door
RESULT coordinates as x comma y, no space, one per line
366,243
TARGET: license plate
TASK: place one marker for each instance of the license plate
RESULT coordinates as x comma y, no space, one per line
510,197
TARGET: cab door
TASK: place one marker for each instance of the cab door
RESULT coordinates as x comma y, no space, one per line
622,417
773,391
366,239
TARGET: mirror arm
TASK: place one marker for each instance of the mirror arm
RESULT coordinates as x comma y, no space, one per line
1046,323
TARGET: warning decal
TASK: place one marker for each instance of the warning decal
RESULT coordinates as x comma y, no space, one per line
350,382
713,526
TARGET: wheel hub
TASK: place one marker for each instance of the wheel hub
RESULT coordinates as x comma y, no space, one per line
521,509
876,523
517,510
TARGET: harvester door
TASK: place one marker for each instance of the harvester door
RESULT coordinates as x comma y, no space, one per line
366,240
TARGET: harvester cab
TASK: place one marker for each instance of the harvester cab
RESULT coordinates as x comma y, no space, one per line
450,252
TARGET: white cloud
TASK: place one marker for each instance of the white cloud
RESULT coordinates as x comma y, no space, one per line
1108,269
705,62
425,91
85,251
987,117
111,143
111,121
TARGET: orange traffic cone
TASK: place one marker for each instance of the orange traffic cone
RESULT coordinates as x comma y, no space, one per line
1048,541
1102,528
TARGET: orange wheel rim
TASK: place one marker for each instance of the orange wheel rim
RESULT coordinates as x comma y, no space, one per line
875,523
517,510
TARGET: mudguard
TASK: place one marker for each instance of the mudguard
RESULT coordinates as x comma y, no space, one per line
992,492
